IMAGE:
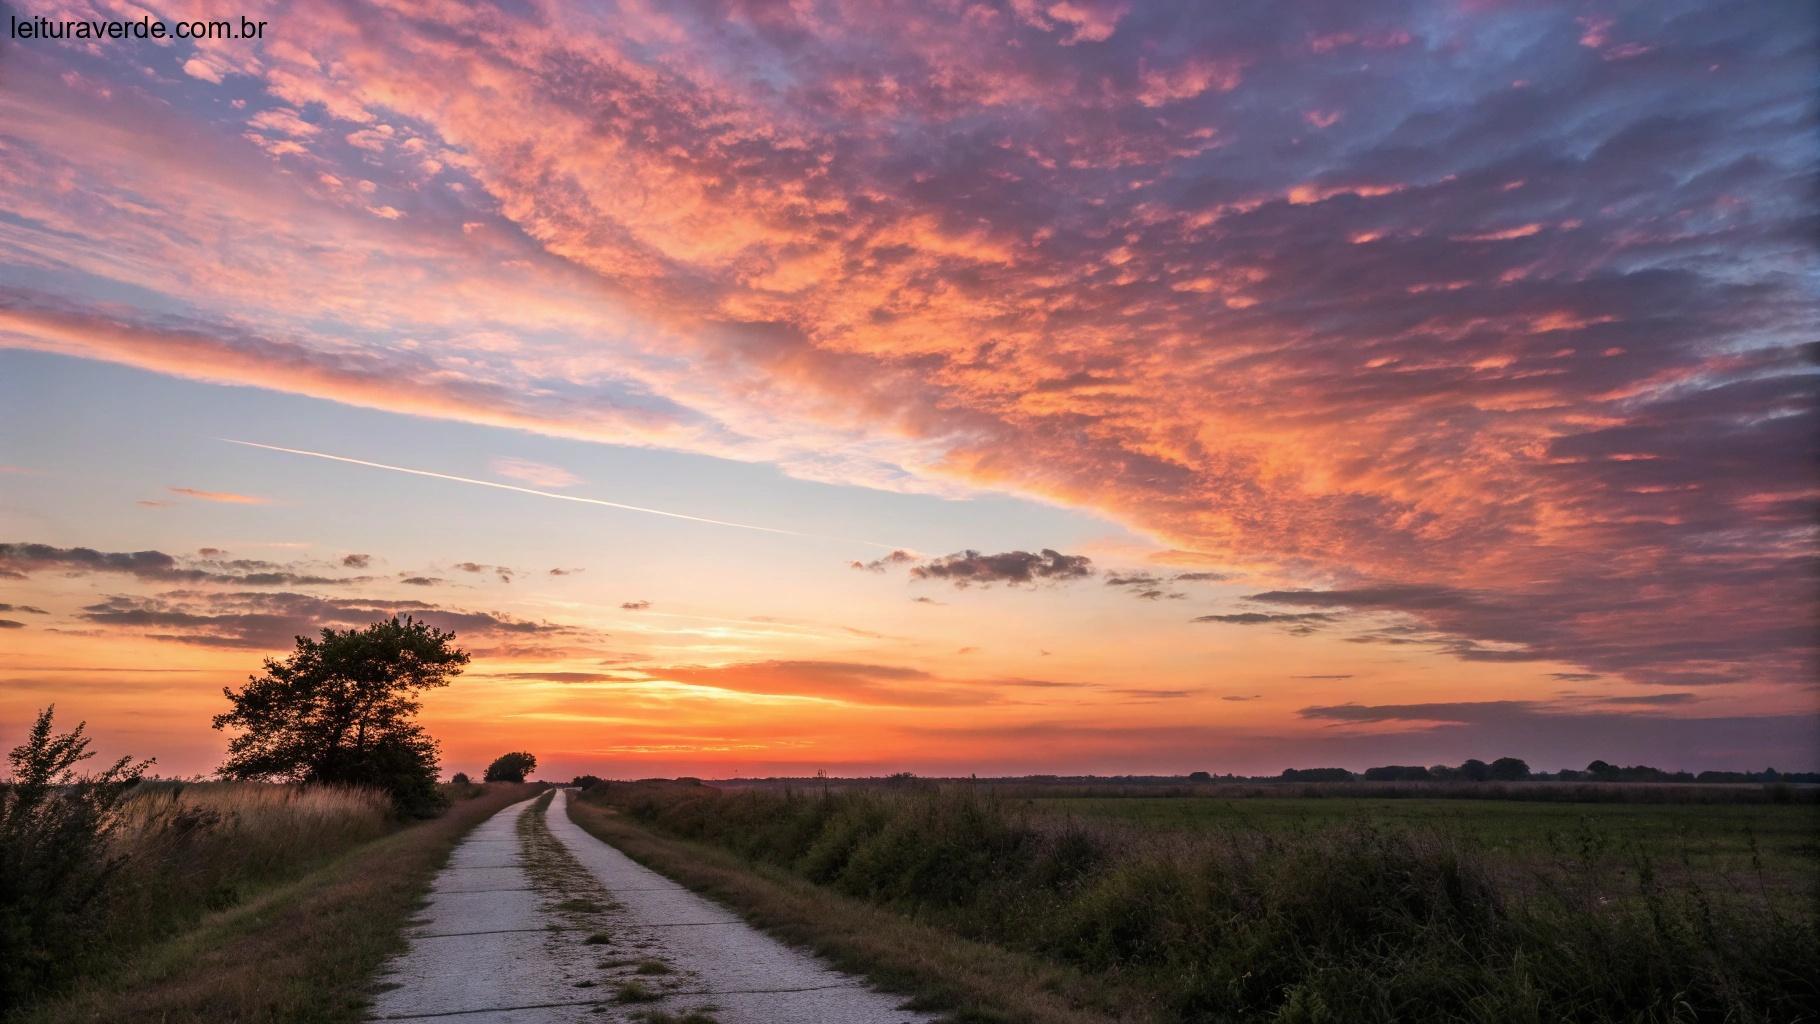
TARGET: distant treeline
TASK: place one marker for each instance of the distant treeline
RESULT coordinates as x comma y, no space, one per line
1470,780
1504,769
1513,769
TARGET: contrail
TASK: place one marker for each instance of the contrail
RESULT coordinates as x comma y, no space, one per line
547,494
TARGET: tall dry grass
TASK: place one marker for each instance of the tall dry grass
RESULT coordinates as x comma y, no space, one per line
304,951
176,851
216,836
190,848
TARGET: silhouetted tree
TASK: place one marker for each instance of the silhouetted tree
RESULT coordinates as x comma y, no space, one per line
1474,770
511,767
342,710
460,779
586,781
1510,769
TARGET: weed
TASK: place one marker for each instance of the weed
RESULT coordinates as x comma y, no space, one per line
636,991
691,1017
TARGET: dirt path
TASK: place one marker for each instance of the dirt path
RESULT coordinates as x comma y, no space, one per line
536,922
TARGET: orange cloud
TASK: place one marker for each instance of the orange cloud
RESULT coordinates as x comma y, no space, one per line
224,497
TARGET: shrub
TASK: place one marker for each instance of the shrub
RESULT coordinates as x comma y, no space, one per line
94,867
56,863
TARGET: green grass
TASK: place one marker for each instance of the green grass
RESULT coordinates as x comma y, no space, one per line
1366,911
1714,840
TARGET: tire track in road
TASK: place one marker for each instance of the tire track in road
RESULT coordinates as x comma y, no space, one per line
535,921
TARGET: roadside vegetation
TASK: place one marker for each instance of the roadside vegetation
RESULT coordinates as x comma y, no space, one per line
1344,920
272,897
935,969
296,951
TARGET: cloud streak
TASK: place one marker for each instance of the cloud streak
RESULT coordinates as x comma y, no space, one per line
534,492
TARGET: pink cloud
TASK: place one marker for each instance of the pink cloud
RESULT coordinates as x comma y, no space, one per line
221,497
538,474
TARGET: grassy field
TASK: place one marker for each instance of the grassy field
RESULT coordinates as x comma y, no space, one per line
1741,842
249,902
1273,909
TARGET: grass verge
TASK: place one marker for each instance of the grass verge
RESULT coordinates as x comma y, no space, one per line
300,953
973,982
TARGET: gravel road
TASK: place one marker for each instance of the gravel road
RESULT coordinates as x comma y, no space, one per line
534,921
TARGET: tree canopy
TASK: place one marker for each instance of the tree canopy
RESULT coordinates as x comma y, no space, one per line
1509,769
511,767
342,709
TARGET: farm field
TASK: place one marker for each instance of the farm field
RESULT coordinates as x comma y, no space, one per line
1712,840
1265,908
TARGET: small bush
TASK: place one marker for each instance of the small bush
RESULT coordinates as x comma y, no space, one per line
93,868
636,991
58,864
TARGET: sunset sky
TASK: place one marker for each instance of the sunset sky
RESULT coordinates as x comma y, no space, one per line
946,387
